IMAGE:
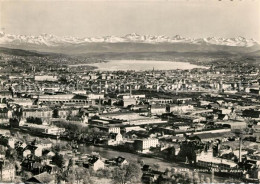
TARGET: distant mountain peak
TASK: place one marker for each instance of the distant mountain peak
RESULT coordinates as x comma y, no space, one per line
50,40
132,34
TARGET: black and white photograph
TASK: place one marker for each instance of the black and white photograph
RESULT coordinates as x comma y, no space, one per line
129,91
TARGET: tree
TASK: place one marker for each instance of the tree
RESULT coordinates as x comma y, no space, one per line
27,138
156,166
55,113
104,173
202,178
140,161
60,176
128,173
188,177
71,178
196,178
71,164
168,172
4,142
26,175
17,135
34,120
68,147
86,178
170,154
18,167
14,122
207,180
77,175
58,160
56,148
173,170
232,180
11,154
2,149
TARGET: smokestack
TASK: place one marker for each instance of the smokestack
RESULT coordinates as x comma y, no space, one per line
130,91
240,149
149,110
99,104
37,101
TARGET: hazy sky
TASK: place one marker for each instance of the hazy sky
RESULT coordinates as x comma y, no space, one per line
188,18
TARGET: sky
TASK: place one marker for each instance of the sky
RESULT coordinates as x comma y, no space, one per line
87,18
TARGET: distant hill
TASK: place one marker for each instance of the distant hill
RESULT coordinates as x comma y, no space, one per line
255,53
23,52
136,47
19,52
158,55
155,55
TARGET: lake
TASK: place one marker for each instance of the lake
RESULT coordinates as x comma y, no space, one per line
141,65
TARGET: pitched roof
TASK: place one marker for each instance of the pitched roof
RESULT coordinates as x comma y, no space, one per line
222,116
93,160
31,147
214,105
120,160
209,135
45,141
41,178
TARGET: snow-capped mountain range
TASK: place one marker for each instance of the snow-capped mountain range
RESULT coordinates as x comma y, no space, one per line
48,40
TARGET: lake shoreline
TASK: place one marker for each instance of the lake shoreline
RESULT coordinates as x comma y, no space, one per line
141,65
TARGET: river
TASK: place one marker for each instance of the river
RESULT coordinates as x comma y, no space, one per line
109,153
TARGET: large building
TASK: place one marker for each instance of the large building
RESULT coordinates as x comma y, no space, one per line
61,98
143,145
37,112
132,119
157,109
129,101
45,78
234,124
206,160
21,101
44,129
